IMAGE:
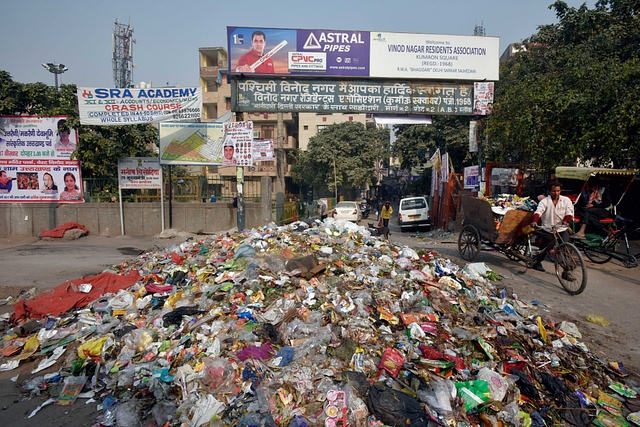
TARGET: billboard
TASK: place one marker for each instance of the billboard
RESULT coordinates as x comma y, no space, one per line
40,180
139,172
191,143
32,137
351,96
263,150
109,106
344,53
483,98
238,144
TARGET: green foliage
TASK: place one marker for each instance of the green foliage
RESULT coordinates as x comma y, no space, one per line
416,143
352,146
573,93
99,147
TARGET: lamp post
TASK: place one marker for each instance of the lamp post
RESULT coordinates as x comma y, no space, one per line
55,69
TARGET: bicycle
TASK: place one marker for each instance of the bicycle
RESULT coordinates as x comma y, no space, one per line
600,250
569,264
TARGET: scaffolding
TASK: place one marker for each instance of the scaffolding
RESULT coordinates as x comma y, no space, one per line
122,47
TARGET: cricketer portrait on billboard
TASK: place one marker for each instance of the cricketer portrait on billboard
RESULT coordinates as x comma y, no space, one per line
260,50
298,52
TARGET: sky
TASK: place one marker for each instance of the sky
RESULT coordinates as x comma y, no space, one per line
77,33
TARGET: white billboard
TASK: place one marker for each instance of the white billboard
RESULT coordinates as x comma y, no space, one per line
109,106
434,56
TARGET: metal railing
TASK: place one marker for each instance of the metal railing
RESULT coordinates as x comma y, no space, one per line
183,189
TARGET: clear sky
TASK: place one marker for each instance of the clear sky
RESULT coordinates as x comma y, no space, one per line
77,33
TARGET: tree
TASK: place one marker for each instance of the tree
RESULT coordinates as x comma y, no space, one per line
572,93
416,143
99,147
352,147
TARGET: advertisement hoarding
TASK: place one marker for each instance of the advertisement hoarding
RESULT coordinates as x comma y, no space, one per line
344,53
483,98
109,106
263,150
352,96
471,177
32,137
238,144
191,143
40,180
139,172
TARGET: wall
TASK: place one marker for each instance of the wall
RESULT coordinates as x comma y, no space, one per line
140,219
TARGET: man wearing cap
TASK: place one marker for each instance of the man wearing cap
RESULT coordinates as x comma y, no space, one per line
228,149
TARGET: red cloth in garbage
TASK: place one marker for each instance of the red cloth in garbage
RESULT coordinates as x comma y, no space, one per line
59,230
67,296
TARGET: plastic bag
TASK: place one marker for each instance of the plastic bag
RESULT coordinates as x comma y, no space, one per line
395,408
473,393
127,415
217,376
438,395
497,384
163,412
598,320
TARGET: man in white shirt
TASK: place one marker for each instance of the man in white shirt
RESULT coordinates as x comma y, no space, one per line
553,211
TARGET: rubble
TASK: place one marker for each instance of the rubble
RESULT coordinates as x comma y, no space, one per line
312,325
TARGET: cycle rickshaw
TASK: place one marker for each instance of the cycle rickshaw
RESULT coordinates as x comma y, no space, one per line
512,238
601,249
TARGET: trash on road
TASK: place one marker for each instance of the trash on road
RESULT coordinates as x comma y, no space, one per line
305,325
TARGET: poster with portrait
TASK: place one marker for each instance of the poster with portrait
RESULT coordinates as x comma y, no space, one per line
237,146
32,137
483,98
40,180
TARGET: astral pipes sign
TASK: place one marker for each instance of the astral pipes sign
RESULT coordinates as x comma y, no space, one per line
108,106
341,53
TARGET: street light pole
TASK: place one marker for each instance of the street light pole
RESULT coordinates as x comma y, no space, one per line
55,69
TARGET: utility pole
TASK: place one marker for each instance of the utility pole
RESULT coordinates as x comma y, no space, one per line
240,186
280,162
335,178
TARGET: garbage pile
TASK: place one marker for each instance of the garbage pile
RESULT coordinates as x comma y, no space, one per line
310,325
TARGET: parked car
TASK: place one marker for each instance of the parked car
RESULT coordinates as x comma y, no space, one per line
413,212
347,210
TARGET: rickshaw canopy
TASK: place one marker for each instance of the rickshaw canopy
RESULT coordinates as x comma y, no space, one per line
583,173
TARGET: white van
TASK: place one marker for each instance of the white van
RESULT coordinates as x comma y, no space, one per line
413,212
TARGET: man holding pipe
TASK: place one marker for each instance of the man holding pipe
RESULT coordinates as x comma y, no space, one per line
255,55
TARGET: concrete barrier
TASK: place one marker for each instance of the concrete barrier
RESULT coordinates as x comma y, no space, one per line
140,219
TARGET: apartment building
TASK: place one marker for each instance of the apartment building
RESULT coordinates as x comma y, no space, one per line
216,101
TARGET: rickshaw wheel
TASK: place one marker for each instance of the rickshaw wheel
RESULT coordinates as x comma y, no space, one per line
519,247
571,270
469,243
597,257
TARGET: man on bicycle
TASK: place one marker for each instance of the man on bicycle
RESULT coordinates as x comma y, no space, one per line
553,211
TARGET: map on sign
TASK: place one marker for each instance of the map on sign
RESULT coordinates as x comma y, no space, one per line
190,144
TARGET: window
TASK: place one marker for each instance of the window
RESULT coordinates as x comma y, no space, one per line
414,204
268,132
227,103
321,127
306,127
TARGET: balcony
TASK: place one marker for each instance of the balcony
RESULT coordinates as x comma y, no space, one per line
290,143
212,70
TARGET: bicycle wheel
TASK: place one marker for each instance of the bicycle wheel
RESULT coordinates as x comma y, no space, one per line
597,257
469,243
571,270
519,250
